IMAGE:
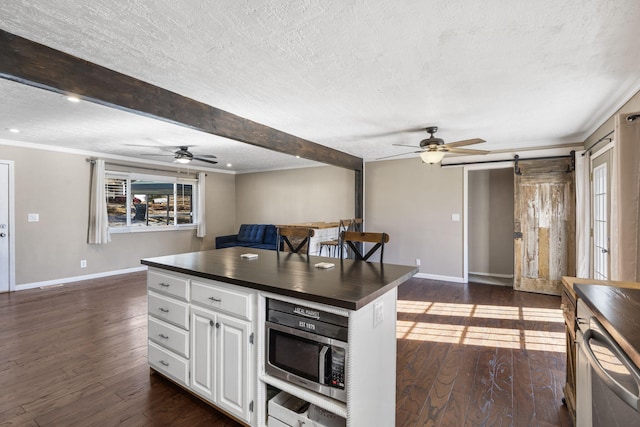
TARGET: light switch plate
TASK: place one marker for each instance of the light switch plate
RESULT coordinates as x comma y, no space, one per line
455,217
33,217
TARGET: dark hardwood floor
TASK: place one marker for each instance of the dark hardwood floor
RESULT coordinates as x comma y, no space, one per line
478,355
472,355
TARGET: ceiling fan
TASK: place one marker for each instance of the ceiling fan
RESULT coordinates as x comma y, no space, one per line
433,149
184,156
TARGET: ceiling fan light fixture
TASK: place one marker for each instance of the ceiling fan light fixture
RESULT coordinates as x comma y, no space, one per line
183,160
432,157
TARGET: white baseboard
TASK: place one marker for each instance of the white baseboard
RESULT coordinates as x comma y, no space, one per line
78,278
438,277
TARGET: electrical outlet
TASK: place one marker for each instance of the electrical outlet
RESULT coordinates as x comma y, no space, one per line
83,263
417,261
33,217
378,313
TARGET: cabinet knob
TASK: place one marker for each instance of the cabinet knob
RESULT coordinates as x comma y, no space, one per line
217,325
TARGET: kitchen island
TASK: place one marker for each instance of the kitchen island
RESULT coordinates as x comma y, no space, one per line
207,314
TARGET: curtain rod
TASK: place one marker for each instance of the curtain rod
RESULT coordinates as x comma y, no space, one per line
515,159
93,161
599,141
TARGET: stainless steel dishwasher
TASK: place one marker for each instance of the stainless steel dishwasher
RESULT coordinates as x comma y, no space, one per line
608,382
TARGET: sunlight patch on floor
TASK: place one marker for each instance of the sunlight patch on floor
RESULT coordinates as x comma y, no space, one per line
513,338
481,311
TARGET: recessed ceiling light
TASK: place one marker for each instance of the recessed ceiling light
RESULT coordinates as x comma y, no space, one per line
73,99
297,157
14,130
229,165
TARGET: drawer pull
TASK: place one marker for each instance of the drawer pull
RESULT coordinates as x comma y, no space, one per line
215,299
166,285
164,310
163,336
162,362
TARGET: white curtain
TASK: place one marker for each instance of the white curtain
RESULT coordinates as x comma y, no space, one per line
202,217
625,205
583,214
98,219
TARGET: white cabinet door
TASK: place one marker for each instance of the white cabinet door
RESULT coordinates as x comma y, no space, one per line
203,353
234,366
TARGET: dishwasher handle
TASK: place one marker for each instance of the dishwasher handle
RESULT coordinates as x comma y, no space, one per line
620,391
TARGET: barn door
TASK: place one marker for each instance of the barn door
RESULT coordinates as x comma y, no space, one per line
544,220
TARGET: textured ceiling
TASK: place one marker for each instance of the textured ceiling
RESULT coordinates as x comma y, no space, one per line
353,75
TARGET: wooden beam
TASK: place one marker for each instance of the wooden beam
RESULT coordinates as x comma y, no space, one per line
34,64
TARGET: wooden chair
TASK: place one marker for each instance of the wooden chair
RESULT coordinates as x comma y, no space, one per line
349,237
332,245
287,234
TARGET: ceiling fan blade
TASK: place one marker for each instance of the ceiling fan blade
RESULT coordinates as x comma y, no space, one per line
401,154
161,155
466,151
207,156
213,162
464,142
405,145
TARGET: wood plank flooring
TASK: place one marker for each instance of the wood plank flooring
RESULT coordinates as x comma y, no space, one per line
478,355
76,356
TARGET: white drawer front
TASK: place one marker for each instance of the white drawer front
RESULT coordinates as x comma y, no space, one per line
169,363
169,336
169,309
168,284
222,297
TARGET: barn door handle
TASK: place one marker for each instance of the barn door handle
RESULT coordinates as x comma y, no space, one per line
604,251
517,235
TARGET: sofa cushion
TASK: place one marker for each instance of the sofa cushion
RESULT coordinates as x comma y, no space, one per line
270,235
251,233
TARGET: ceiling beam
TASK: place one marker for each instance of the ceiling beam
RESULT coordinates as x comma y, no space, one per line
34,64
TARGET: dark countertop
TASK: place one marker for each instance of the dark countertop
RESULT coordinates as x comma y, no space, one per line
618,310
350,284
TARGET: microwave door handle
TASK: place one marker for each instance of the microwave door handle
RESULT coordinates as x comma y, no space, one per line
322,365
620,391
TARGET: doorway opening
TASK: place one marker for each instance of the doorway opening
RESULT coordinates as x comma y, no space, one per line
489,212
7,265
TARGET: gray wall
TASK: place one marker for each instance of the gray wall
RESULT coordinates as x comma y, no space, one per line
56,185
292,196
414,202
490,214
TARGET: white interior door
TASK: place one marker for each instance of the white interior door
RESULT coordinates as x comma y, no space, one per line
5,247
601,209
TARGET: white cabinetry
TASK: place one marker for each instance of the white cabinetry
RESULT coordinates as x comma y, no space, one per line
201,336
221,362
168,327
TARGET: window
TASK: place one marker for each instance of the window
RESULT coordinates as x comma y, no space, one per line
138,202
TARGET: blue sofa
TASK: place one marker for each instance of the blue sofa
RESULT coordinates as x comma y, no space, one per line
258,236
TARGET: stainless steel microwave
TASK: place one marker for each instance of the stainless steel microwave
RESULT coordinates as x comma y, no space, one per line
307,350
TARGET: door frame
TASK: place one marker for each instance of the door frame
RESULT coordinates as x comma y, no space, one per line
465,209
606,149
11,227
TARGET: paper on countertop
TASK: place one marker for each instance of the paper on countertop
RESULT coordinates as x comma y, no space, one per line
249,256
325,265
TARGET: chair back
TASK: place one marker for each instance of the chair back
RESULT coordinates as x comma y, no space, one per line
351,237
356,224
287,234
